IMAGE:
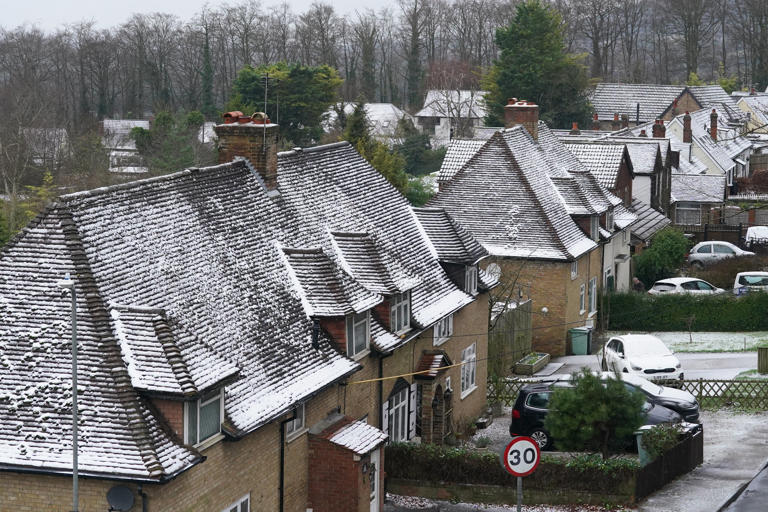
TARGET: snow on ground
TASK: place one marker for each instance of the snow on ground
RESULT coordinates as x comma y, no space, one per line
397,503
708,341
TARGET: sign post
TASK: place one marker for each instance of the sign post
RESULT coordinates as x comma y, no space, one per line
520,458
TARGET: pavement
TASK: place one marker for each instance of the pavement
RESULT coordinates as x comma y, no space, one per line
753,498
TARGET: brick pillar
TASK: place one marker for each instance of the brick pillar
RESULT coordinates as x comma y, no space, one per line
687,131
522,112
713,125
427,394
256,139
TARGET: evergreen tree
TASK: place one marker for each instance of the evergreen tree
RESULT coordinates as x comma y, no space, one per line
209,111
663,258
534,66
358,130
172,143
598,415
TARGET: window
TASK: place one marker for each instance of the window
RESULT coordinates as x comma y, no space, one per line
398,416
470,280
468,370
443,330
723,249
582,299
594,227
608,281
358,329
203,417
687,213
241,505
592,295
538,400
297,423
574,269
448,385
400,312
626,236
704,249
609,220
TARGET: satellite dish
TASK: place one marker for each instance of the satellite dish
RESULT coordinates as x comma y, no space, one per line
120,498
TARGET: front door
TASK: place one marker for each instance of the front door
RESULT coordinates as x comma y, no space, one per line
373,476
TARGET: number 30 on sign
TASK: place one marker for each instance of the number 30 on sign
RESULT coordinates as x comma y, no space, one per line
521,456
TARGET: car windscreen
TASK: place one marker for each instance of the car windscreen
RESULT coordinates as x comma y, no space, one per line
663,287
753,280
646,347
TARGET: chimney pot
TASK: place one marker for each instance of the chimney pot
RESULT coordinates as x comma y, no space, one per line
616,124
255,141
511,101
643,134
575,129
595,122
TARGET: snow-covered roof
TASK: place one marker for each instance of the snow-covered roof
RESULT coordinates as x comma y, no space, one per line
453,243
383,117
758,105
116,133
454,103
358,437
602,160
458,153
698,188
649,221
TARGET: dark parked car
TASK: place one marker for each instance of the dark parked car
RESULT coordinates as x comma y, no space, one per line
682,402
532,406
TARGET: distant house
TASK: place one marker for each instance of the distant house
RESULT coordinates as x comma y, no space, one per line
619,105
250,334
48,147
116,137
553,232
451,113
383,119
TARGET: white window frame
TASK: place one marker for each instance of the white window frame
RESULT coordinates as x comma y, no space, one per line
470,279
594,227
688,213
574,269
400,312
443,330
608,273
355,349
582,299
468,370
626,235
448,385
238,505
295,427
198,405
398,416
593,295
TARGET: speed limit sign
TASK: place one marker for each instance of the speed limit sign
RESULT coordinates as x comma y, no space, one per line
521,456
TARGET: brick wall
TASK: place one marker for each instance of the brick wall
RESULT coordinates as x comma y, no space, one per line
686,103
623,188
336,328
173,413
333,476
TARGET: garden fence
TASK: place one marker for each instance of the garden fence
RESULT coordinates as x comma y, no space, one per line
711,393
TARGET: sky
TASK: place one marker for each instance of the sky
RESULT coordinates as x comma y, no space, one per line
50,15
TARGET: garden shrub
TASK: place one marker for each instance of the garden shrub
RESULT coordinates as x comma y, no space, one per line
727,313
723,273
661,438
663,258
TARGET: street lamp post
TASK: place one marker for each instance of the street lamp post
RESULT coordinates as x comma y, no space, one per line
68,284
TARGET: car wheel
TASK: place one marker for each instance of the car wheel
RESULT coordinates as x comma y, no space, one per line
542,439
697,265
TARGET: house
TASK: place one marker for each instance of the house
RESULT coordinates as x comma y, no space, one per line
48,147
619,105
451,113
116,137
553,232
267,315
382,117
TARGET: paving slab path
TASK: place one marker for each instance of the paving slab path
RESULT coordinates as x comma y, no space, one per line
735,450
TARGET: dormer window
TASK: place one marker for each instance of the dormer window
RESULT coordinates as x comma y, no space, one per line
609,220
358,333
400,312
202,417
594,227
470,280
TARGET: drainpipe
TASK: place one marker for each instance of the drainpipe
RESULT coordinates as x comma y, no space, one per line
381,392
143,499
282,460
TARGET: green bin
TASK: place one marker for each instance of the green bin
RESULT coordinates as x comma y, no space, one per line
579,341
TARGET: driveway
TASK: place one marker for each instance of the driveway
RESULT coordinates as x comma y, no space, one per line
697,365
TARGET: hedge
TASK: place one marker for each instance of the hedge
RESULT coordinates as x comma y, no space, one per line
725,312
432,463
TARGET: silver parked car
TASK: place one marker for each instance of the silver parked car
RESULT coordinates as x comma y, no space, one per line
704,253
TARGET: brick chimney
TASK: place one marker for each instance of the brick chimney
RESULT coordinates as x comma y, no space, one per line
595,122
713,125
616,125
252,137
522,112
752,92
575,129
662,129
624,121
687,132
674,107
656,130
643,134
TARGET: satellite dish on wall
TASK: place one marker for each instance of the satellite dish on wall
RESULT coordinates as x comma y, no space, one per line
120,498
